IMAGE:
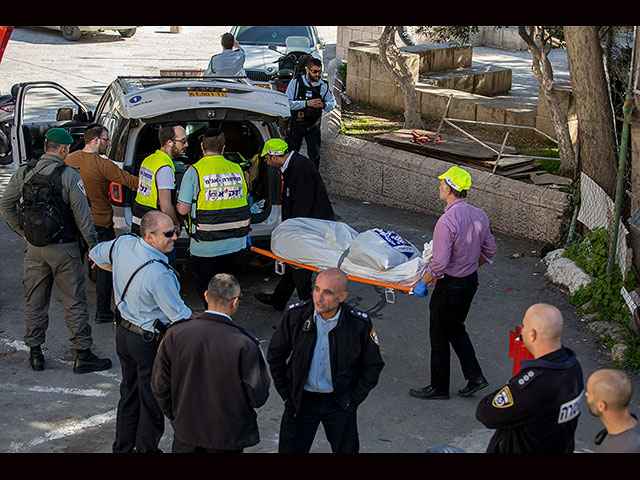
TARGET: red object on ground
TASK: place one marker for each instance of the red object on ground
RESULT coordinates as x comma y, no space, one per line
5,33
420,139
517,350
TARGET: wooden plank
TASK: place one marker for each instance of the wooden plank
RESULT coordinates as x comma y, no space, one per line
448,148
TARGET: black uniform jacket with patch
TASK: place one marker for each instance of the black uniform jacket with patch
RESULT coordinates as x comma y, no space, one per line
355,356
537,411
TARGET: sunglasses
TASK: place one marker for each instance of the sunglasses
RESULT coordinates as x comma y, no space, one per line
168,234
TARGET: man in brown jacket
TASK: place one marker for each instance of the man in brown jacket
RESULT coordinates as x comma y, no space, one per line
97,172
210,375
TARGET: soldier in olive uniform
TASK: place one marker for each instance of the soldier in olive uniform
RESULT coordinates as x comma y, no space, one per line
58,256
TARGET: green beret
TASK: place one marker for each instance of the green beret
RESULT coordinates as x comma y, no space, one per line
59,135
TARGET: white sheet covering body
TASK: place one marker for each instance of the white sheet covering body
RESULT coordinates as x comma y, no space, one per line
376,254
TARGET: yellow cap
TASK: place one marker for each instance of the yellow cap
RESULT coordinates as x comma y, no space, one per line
457,178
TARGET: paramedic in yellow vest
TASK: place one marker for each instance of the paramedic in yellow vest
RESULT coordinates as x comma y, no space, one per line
213,194
157,180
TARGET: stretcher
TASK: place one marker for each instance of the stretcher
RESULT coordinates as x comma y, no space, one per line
389,292
306,229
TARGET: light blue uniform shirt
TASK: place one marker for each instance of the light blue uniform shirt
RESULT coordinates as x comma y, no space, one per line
325,94
319,377
227,63
188,188
154,292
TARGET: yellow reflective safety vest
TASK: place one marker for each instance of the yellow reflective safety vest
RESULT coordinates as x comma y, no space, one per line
147,196
222,209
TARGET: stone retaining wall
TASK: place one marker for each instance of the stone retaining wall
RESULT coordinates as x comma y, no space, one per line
368,171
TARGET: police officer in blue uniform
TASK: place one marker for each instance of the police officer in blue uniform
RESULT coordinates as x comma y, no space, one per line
147,293
309,97
324,359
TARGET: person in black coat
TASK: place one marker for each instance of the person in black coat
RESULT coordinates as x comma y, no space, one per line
537,410
303,195
210,375
324,359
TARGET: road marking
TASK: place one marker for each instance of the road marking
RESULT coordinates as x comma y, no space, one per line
65,430
20,346
83,392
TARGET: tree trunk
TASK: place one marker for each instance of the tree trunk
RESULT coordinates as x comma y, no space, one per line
539,47
593,107
392,58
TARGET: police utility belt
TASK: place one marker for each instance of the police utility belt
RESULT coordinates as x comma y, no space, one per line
157,323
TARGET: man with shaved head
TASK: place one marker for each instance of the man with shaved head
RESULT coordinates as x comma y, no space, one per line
324,359
608,396
537,410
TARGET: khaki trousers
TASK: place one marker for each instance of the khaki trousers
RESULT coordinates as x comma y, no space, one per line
59,263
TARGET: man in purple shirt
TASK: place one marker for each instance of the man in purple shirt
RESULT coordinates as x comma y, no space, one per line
462,241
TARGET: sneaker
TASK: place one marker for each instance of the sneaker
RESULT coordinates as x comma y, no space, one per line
86,361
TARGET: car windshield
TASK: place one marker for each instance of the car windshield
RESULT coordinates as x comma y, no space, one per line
267,35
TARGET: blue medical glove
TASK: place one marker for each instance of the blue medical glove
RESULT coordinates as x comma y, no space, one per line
421,289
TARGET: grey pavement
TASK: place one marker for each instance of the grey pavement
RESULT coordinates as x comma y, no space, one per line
57,411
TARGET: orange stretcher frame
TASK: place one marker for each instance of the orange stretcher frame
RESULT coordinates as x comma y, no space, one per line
376,283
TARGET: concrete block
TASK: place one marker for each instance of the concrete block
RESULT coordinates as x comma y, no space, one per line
358,89
564,92
359,63
487,111
462,108
386,95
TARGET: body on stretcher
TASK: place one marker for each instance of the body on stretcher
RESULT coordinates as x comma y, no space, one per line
376,257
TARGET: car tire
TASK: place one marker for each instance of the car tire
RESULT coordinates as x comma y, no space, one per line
127,33
72,34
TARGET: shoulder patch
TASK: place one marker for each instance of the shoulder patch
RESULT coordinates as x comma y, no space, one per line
359,314
503,399
525,377
374,336
298,304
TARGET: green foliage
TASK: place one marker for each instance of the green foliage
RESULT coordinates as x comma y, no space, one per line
590,254
342,70
602,296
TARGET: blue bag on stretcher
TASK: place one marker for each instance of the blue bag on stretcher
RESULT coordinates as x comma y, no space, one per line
376,254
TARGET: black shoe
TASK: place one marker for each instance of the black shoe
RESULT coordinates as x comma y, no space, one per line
36,359
267,299
86,361
473,386
428,393
103,317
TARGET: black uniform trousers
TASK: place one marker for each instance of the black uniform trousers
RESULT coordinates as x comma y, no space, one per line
449,306
104,278
139,422
298,428
294,279
300,130
203,269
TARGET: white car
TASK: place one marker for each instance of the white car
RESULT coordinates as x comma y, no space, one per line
73,33
135,108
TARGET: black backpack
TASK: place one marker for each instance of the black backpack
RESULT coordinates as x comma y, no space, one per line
43,209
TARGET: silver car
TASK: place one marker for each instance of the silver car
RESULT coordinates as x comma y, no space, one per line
264,45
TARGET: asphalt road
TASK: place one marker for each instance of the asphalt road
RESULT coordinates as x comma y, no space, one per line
58,411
